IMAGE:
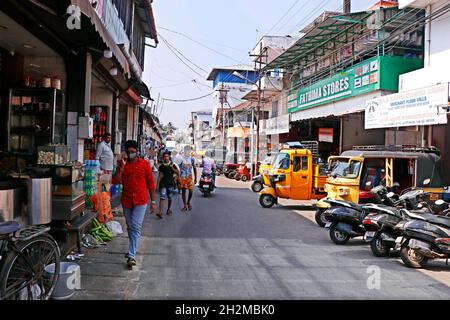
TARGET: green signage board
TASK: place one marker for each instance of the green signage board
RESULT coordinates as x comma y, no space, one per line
377,73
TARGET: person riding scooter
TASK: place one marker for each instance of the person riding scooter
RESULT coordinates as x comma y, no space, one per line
209,165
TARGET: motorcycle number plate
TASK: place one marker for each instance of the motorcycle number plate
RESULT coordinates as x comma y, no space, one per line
370,234
328,225
399,240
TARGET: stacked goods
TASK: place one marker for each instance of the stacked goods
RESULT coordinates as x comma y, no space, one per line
100,232
92,169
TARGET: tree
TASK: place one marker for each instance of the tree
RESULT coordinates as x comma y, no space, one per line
168,130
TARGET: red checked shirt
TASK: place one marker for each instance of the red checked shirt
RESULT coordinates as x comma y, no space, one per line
137,178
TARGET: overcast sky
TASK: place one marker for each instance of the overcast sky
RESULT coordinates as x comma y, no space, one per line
215,33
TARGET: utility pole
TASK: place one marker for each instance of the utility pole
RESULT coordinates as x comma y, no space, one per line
222,98
258,66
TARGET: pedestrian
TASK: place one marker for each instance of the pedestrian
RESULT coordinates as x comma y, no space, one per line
136,177
165,183
105,156
188,178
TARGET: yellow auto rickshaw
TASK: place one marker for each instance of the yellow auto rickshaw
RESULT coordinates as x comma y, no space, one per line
355,172
296,173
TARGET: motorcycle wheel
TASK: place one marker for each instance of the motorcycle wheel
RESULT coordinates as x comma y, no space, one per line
244,178
237,177
320,217
206,194
231,174
338,237
257,187
266,200
411,258
379,249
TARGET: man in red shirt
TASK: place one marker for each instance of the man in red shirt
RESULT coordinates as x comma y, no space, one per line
136,177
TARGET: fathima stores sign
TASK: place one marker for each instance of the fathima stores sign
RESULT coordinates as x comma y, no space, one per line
373,74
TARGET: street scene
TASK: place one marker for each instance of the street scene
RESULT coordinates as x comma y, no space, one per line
225,150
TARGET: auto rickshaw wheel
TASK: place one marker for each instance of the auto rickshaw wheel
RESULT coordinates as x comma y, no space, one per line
244,178
257,186
267,200
320,217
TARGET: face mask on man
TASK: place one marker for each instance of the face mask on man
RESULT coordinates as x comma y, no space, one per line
131,155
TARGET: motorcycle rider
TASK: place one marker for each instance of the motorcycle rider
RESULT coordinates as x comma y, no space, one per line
209,165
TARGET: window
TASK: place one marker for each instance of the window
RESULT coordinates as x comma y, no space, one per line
304,163
297,164
275,109
281,161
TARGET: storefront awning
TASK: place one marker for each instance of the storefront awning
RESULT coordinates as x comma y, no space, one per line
87,9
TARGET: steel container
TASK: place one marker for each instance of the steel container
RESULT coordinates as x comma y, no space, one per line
40,201
13,196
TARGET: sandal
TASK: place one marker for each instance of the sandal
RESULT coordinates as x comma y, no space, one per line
159,215
169,212
189,207
184,209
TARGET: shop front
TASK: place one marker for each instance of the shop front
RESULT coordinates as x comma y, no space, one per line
331,111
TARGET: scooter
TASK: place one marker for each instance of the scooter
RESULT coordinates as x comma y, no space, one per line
424,237
345,218
381,222
206,184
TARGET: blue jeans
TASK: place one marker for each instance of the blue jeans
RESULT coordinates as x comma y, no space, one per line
134,218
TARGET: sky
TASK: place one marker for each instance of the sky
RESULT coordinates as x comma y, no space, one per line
215,33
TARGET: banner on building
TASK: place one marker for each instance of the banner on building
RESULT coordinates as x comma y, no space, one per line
277,125
326,134
427,106
238,132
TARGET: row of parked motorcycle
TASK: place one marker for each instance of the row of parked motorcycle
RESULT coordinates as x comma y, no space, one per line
406,223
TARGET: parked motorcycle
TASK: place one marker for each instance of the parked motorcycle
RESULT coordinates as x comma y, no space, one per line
381,221
424,237
206,184
345,218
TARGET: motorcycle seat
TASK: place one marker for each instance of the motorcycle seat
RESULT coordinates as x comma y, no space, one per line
443,221
345,204
9,227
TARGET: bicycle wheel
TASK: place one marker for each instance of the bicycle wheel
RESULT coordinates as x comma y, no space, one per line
17,279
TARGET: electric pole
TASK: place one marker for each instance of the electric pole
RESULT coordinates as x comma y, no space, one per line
222,98
258,66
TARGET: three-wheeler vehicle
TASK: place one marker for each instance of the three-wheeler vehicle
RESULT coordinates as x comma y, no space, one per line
296,173
352,174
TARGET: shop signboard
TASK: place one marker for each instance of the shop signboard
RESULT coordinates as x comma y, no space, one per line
377,73
427,106
326,134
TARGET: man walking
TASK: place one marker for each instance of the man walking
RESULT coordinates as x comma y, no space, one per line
136,177
186,182
106,157
166,183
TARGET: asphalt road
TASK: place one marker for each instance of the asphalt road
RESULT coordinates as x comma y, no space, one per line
228,247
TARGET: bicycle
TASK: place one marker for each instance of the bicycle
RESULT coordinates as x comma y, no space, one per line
24,254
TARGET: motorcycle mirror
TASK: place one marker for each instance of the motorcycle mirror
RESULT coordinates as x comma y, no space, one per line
439,202
426,181
368,183
390,194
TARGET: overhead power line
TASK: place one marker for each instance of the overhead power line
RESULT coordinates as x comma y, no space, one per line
283,16
174,51
187,100
201,44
